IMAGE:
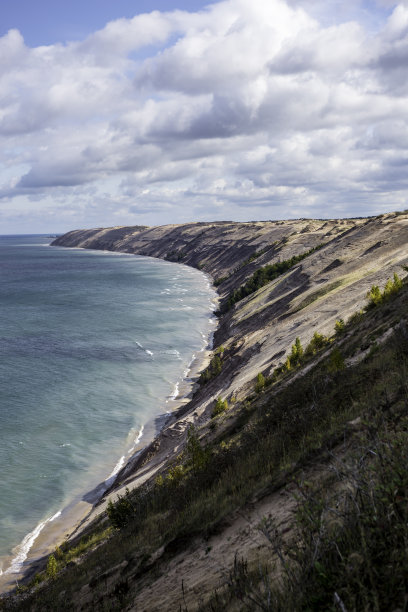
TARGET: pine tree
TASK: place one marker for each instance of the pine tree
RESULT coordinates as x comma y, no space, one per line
339,327
52,567
374,296
297,353
260,382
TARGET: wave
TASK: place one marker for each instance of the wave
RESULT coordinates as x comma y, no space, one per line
110,479
175,393
117,468
24,548
144,349
138,438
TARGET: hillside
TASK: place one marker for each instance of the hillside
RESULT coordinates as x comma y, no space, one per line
247,499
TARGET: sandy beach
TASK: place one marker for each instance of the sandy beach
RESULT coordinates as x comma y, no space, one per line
74,518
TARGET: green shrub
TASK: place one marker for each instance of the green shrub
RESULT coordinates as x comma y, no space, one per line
120,512
357,555
214,368
356,317
260,382
197,456
220,407
52,567
175,475
159,480
317,342
263,276
296,353
339,327
375,296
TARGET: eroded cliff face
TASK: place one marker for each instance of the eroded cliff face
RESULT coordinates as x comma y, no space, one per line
219,248
258,331
256,335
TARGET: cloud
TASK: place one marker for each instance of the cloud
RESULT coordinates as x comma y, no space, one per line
224,112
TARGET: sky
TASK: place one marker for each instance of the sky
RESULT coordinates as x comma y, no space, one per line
145,113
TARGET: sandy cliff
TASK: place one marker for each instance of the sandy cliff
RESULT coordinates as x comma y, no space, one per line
256,335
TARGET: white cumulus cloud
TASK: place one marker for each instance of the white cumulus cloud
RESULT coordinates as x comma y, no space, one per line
243,110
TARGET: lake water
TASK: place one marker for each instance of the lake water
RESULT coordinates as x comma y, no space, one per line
92,346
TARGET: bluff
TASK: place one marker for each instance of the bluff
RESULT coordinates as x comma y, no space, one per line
266,490
257,332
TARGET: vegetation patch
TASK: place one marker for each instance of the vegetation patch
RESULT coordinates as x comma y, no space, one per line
375,296
312,297
280,428
220,407
263,276
214,368
349,549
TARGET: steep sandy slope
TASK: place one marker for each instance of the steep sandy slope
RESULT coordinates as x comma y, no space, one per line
259,331
218,248
256,335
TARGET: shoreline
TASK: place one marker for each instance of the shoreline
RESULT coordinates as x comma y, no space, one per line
71,520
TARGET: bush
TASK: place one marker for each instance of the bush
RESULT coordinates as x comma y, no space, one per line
296,354
263,276
260,382
317,342
52,567
213,369
120,512
375,296
197,456
358,555
339,327
220,407
175,475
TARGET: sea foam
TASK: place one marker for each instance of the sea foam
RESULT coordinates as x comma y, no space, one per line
24,548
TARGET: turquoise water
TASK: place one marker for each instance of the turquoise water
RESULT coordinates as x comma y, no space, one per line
92,346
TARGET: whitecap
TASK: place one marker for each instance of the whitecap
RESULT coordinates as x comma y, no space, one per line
175,393
117,468
25,546
138,438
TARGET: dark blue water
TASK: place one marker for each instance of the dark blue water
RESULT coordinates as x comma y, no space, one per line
92,346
